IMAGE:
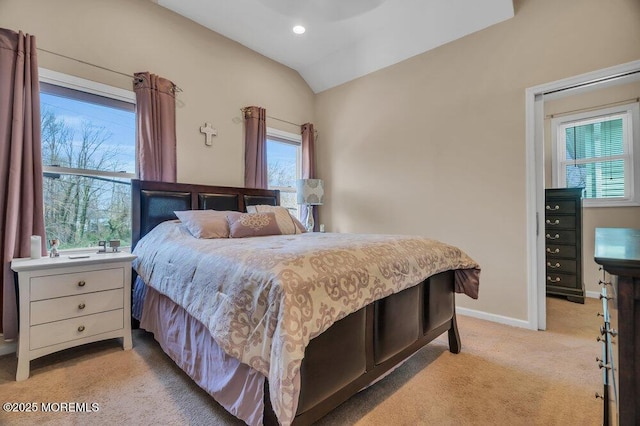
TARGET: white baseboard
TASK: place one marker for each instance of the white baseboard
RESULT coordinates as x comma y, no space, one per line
496,318
593,294
508,320
7,347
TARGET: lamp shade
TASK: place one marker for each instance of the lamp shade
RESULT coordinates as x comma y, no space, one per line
310,191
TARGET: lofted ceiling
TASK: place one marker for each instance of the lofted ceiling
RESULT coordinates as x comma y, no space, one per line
344,39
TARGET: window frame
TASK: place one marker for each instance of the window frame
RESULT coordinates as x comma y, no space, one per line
118,95
87,86
291,139
630,114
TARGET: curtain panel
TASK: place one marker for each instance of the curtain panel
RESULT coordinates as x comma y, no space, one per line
255,152
308,165
21,197
156,127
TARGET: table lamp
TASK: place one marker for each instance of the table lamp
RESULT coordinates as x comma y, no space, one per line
310,193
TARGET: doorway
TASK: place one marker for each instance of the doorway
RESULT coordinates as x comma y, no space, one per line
535,98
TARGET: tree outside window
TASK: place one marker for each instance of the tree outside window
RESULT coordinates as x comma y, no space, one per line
88,153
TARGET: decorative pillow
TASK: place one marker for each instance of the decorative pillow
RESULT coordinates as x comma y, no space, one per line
252,224
205,223
286,222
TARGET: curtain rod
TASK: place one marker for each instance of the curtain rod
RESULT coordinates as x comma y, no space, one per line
592,108
176,88
315,131
284,121
592,82
280,119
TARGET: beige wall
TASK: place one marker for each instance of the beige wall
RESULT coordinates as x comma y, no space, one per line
593,217
218,76
435,145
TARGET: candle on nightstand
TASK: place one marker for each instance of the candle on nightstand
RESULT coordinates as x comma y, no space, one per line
36,247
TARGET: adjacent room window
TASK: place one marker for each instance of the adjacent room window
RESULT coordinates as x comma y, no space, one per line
284,165
598,151
88,153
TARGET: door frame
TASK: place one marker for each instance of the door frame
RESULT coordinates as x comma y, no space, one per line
534,140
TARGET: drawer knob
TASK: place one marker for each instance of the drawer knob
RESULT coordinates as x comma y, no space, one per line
556,280
598,396
557,265
549,237
81,306
81,328
556,207
602,365
556,251
81,283
555,222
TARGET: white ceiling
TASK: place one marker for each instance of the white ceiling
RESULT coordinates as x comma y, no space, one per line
345,39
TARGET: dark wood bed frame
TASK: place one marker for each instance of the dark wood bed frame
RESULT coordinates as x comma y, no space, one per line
355,351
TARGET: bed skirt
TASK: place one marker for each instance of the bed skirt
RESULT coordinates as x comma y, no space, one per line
234,385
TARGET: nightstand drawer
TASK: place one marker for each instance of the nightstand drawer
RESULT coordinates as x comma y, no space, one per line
50,310
50,286
76,328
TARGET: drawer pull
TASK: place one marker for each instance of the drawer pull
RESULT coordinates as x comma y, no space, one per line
603,365
549,237
556,251
555,222
557,207
81,283
557,265
81,306
81,328
556,280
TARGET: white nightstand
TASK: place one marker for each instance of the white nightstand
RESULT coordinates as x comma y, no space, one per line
66,302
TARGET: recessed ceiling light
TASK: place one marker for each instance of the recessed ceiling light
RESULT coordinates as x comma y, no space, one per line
299,29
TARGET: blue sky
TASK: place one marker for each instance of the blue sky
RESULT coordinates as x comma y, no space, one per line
121,124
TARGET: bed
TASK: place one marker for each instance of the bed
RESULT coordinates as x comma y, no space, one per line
325,315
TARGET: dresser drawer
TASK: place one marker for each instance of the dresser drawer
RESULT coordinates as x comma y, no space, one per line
561,280
553,251
50,286
560,206
50,310
560,236
561,265
75,328
559,222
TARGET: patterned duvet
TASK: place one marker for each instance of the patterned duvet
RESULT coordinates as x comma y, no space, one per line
264,298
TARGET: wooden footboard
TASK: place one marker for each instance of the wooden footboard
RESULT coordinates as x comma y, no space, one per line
365,345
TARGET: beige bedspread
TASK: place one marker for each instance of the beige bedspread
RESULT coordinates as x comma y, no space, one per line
264,298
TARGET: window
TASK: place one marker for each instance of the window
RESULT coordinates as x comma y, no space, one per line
284,166
88,155
599,151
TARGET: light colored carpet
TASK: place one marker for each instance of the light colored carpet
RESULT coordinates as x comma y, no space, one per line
503,376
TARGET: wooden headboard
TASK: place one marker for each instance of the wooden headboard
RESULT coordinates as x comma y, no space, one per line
154,202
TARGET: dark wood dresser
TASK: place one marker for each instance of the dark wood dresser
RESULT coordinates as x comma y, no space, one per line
617,250
563,243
